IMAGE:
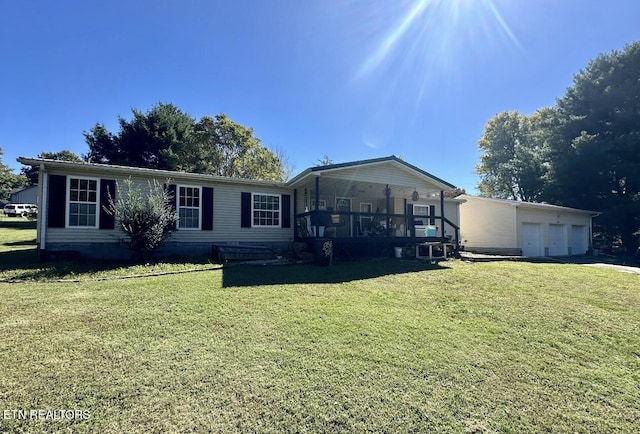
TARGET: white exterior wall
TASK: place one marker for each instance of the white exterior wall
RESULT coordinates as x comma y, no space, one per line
226,215
488,226
496,226
383,173
564,218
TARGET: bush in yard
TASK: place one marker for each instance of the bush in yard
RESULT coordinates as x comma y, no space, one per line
145,219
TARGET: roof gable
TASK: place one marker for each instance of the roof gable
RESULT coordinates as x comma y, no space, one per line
361,169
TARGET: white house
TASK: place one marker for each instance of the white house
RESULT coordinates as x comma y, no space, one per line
367,207
522,228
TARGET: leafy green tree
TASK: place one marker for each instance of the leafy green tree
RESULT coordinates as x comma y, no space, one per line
31,172
229,149
512,161
595,158
167,138
8,180
146,220
155,139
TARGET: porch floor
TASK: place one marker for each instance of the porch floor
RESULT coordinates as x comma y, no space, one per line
349,248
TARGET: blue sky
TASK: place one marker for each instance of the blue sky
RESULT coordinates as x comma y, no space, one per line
343,78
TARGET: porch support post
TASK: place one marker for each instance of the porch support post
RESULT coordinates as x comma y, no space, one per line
295,205
41,225
387,193
317,207
406,217
442,213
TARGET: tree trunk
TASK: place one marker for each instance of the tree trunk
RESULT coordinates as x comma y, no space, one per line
627,234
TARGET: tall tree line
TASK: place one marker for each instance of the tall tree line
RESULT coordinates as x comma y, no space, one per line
167,138
584,152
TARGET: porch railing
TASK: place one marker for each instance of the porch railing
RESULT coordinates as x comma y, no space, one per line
342,224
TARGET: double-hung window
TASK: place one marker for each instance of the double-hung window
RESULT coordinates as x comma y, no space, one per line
265,210
83,202
425,211
421,211
189,205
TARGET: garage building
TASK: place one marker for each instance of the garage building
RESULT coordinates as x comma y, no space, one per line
509,227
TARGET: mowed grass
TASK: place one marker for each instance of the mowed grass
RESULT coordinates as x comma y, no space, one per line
19,259
382,346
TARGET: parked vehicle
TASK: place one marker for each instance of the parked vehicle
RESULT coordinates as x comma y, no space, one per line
21,210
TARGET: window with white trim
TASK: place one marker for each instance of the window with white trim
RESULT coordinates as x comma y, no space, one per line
265,210
421,210
322,205
83,202
189,205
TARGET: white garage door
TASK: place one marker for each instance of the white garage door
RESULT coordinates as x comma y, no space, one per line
531,240
557,241
578,240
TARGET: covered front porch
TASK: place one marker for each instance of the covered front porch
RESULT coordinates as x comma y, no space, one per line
365,216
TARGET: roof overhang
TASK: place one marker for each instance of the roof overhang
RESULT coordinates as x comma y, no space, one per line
531,205
140,171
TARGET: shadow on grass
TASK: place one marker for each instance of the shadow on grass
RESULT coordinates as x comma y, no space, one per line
250,275
18,224
24,265
31,242
13,258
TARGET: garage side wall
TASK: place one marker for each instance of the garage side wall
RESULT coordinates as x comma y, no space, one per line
488,227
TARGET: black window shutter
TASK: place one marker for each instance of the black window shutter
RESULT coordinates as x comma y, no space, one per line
245,204
171,189
207,208
286,211
432,214
107,189
57,201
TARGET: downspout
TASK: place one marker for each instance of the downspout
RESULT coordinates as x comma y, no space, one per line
41,224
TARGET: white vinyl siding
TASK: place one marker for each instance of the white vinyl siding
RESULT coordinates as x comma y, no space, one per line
488,225
510,227
266,210
189,206
383,173
82,202
226,214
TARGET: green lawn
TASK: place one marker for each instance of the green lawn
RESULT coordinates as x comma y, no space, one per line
383,346
18,259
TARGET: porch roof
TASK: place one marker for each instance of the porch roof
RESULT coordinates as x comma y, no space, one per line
336,170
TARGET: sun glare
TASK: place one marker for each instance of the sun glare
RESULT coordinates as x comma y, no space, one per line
428,37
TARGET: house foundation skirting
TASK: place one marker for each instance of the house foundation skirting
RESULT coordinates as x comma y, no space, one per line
112,251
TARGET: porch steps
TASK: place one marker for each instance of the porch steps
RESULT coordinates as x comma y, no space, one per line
231,252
